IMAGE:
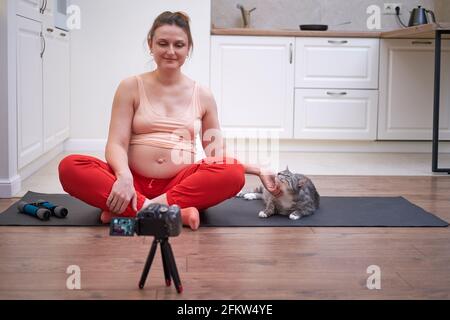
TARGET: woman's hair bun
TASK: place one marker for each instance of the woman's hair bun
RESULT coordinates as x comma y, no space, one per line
183,15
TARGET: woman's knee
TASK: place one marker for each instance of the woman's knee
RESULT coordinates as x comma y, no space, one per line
67,165
233,172
72,167
67,168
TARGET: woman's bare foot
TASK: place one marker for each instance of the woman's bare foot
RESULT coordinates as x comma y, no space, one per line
106,217
190,218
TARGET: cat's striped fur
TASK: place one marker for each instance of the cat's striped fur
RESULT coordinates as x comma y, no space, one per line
299,196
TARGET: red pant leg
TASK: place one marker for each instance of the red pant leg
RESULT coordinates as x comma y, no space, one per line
91,180
207,183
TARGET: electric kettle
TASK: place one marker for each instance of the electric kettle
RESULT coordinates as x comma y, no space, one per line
419,16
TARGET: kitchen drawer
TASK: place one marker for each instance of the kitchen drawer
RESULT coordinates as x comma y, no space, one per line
335,114
336,63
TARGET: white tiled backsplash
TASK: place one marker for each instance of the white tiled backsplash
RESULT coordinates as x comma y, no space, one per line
289,14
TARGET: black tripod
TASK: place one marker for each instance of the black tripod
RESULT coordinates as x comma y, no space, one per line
169,265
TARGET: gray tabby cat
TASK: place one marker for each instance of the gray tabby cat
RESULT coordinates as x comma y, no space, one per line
299,197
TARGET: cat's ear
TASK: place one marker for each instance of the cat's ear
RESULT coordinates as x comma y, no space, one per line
302,181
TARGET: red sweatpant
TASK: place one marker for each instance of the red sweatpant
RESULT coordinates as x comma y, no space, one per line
201,185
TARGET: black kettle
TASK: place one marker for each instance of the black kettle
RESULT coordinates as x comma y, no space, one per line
419,16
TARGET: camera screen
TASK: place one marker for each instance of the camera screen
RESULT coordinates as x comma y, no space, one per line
122,227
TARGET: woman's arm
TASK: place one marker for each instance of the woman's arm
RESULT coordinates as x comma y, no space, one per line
211,128
216,147
116,152
252,169
211,136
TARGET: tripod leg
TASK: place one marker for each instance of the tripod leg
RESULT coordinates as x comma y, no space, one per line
148,264
173,268
165,260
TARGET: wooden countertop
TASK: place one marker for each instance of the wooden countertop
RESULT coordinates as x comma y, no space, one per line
422,31
293,33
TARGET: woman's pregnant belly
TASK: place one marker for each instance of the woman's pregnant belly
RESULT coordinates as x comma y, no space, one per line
158,163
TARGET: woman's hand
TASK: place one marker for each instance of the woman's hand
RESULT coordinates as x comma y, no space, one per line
121,194
269,182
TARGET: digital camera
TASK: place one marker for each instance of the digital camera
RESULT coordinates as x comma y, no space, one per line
158,220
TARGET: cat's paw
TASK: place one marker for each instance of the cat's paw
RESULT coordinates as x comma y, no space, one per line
250,196
293,216
262,214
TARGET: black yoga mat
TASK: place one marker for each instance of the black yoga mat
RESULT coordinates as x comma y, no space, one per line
80,213
238,212
333,212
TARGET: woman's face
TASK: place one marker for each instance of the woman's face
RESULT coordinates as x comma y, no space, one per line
170,47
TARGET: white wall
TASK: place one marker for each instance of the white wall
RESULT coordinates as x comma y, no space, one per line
288,14
111,46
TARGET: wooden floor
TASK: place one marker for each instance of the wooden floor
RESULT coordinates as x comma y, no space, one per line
245,263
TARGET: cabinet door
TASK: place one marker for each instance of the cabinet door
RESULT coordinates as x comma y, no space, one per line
56,87
29,90
252,79
48,16
407,87
336,63
49,7
30,8
335,114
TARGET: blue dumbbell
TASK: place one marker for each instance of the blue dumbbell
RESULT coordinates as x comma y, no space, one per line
34,211
56,211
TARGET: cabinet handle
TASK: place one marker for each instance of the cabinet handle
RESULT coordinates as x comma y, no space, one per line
41,8
62,34
421,42
291,53
49,30
336,93
338,41
43,45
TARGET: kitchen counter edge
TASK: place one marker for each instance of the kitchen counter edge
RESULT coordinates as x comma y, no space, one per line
422,31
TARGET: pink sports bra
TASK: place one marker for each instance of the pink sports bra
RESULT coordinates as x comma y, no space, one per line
153,129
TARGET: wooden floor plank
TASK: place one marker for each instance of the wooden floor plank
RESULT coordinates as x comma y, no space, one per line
244,263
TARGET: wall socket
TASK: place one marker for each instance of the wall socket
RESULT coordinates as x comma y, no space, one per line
389,8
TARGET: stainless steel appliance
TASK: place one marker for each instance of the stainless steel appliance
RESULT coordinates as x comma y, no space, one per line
419,16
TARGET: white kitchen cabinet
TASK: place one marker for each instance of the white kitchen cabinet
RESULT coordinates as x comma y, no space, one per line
336,96
406,91
43,89
30,8
336,114
56,87
49,7
252,79
39,10
346,63
29,90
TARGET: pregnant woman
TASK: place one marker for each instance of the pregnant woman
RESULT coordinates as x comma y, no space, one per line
150,152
